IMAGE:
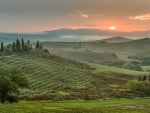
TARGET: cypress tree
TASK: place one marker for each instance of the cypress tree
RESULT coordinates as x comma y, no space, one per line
41,46
18,45
28,42
22,44
2,46
37,45
144,78
13,46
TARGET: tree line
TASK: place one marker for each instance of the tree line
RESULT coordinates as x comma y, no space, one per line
21,45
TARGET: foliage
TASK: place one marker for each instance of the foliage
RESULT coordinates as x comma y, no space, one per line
38,45
7,88
142,87
10,81
20,46
2,47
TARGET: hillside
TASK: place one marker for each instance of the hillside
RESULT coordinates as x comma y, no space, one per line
47,73
109,69
116,40
53,77
97,51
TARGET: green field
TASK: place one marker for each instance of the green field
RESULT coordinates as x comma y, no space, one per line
137,105
103,68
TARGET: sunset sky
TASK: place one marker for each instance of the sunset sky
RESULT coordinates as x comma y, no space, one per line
43,15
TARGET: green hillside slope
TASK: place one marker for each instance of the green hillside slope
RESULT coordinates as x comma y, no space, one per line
108,69
48,74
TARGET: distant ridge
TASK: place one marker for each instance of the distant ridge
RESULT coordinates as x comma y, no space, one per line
116,40
74,35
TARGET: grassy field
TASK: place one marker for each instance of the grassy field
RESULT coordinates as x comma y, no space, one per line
137,105
103,68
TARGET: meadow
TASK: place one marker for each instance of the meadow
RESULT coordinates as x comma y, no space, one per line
104,68
136,105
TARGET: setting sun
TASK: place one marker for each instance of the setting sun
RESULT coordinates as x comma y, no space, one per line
112,28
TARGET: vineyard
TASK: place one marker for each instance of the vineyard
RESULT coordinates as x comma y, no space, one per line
47,76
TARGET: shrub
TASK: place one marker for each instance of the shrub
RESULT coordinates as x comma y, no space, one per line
142,87
12,98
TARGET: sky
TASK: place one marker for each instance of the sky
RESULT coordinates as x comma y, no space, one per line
44,15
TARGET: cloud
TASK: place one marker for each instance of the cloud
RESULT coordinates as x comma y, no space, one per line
144,17
84,15
80,15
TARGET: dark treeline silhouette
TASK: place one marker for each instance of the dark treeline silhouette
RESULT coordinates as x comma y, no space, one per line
2,47
21,45
144,77
39,45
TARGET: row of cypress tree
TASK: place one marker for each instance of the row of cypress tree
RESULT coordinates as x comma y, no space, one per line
21,45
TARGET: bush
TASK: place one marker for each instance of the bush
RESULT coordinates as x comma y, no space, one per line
12,98
10,82
142,87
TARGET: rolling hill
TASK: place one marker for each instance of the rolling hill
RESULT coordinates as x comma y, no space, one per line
48,73
54,77
116,40
98,51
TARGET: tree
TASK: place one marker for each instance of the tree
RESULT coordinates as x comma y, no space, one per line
10,81
7,88
37,45
29,45
18,45
41,46
22,44
141,87
2,46
28,42
13,46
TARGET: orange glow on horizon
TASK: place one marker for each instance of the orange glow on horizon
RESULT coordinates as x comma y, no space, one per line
107,25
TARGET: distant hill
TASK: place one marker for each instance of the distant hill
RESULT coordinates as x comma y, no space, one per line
98,51
71,35
116,40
